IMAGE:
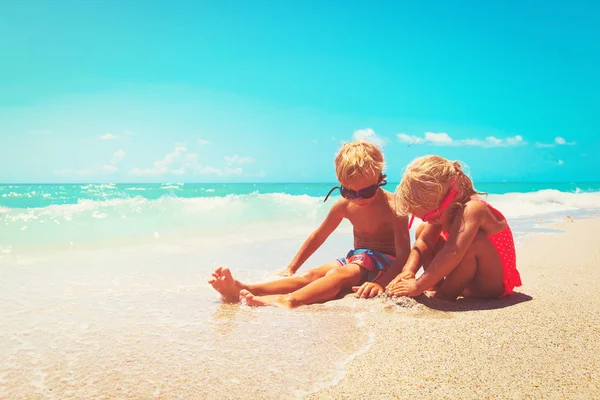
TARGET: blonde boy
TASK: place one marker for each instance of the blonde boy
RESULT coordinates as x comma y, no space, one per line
381,241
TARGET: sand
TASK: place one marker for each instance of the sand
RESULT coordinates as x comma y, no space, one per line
541,342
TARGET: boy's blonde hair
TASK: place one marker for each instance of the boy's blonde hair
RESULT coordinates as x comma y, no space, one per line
425,184
359,159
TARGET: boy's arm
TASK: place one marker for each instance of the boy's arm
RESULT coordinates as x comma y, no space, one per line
317,238
462,234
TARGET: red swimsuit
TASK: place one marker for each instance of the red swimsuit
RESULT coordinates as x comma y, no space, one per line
505,246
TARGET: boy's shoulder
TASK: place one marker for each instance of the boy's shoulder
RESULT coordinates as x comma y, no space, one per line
391,199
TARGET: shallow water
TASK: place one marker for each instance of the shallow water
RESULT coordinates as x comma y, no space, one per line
143,323
106,297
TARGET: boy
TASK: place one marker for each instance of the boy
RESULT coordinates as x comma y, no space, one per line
381,241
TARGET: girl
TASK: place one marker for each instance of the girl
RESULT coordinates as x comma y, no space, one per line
466,247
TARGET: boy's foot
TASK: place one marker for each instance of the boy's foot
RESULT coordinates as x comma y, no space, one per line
251,300
259,301
222,281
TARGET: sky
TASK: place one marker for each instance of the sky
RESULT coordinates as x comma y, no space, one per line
265,91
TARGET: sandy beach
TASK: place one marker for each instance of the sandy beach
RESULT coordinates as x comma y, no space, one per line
541,342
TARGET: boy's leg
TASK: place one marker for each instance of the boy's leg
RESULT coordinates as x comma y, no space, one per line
479,273
292,283
229,288
323,289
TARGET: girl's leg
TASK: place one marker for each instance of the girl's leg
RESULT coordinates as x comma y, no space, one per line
229,288
479,274
323,289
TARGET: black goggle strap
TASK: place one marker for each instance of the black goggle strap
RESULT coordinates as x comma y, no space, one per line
383,180
328,194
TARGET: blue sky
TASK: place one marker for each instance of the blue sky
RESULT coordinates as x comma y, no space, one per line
115,91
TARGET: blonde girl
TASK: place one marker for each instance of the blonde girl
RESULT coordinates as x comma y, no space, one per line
465,245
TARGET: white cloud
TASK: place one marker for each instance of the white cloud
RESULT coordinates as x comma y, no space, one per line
180,161
409,139
558,141
235,159
438,138
203,142
514,141
562,141
443,139
108,136
109,168
117,157
560,162
127,133
369,135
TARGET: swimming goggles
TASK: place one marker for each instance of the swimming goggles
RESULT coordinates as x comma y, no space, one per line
433,215
365,193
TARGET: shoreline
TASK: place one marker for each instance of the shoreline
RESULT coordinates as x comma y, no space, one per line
540,342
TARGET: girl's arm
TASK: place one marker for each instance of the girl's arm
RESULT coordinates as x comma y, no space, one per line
423,247
317,238
462,233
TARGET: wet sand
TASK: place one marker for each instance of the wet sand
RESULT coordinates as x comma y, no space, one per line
541,342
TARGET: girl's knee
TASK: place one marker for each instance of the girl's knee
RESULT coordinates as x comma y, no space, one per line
480,242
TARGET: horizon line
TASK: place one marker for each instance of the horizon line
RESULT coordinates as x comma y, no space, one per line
245,183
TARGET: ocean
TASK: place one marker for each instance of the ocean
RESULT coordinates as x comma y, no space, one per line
104,294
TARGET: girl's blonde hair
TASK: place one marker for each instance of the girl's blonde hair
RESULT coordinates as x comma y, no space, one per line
426,181
359,159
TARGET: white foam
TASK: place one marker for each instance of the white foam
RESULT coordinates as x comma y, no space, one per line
245,218
514,205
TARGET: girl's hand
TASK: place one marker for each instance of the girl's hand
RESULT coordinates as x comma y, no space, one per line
401,276
368,290
407,287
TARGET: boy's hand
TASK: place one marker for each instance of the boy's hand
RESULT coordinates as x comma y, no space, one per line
407,287
401,276
368,290
286,272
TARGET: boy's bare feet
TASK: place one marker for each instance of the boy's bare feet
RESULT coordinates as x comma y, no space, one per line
270,300
222,281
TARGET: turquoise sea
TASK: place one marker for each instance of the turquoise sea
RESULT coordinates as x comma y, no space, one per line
36,217
103,286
